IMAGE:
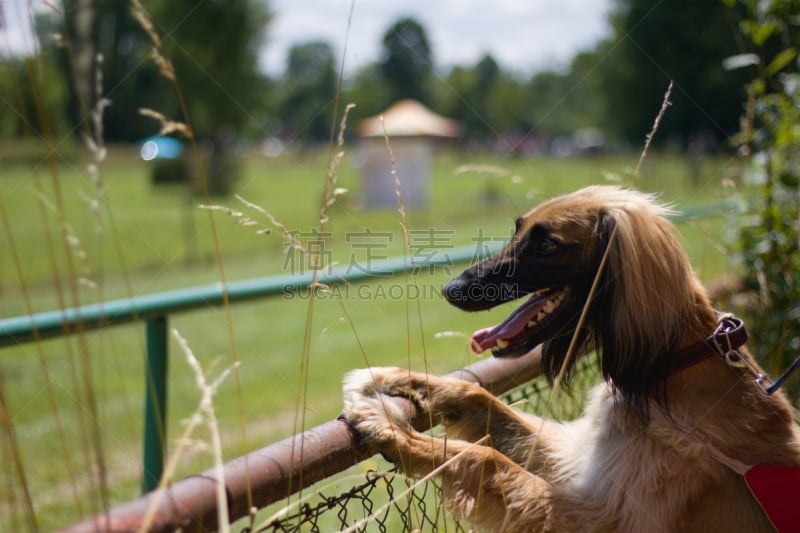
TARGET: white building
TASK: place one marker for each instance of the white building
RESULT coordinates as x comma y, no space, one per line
412,131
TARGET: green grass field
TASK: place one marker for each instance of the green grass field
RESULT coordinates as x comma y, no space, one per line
156,239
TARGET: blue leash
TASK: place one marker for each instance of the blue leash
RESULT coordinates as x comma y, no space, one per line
768,386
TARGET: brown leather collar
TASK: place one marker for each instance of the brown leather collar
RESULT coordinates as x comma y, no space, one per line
729,335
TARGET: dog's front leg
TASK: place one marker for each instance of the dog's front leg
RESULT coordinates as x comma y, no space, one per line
466,410
480,483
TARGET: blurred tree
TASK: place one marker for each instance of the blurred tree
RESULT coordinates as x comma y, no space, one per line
488,74
129,78
546,93
368,89
469,99
130,81
407,61
508,102
34,88
491,103
309,91
457,102
34,97
213,46
680,40
560,103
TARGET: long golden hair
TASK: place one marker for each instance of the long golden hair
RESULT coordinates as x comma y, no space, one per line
648,299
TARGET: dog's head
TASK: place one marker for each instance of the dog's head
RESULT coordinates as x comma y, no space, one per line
615,239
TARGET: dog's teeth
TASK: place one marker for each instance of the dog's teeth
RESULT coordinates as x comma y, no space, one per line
540,316
531,323
549,306
502,343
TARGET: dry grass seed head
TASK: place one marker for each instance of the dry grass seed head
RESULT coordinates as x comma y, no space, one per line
164,65
167,126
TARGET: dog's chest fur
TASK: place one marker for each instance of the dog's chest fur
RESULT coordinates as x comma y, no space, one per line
646,479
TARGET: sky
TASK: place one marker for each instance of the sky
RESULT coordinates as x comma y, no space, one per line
524,36
15,36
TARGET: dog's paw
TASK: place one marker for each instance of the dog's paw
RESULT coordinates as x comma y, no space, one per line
369,410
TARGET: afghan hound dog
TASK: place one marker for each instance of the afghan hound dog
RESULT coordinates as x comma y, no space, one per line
667,437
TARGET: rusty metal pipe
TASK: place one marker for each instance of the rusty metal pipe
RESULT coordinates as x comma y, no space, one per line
281,469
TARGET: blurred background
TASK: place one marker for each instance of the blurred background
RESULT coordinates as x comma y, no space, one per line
517,76
152,146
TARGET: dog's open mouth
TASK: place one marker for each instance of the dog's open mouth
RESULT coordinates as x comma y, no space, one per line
521,330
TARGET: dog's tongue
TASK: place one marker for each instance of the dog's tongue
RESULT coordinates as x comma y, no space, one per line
486,338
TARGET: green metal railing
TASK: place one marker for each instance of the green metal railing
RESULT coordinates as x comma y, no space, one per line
153,309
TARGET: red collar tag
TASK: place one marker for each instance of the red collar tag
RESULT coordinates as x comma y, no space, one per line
777,490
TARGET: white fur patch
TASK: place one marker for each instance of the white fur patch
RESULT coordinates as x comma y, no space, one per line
371,412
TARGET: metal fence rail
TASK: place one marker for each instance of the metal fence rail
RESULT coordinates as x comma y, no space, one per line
154,309
279,470
28,328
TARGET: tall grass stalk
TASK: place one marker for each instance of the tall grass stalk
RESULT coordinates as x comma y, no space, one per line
81,61
408,252
203,415
33,69
7,425
329,197
570,355
167,70
656,123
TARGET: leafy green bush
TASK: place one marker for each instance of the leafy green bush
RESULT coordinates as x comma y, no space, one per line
770,140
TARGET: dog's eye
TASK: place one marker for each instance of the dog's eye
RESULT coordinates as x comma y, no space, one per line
545,245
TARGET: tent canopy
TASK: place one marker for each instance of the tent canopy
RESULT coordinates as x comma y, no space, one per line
409,118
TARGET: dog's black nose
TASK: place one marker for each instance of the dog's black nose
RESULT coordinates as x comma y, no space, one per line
455,291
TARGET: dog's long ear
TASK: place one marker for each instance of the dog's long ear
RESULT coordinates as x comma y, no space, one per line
643,299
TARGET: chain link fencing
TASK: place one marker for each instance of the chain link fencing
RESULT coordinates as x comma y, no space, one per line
374,497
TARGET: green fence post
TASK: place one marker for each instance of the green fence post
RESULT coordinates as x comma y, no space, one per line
155,408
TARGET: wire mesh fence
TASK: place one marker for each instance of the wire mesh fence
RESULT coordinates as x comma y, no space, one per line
325,480
380,499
